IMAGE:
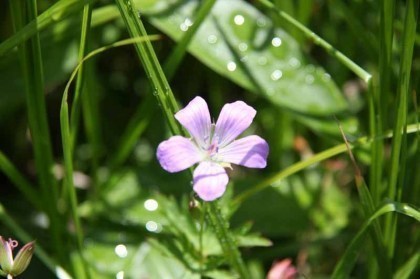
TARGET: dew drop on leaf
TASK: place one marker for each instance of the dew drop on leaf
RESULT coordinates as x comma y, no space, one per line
231,66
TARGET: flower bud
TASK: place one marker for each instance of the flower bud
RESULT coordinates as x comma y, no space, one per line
13,267
23,258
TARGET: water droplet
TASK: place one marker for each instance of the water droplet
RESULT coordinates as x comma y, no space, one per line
120,275
151,205
243,46
212,39
276,42
261,22
276,75
309,79
183,27
326,76
121,250
186,24
231,66
244,58
239,19
262,60
152,226
294,62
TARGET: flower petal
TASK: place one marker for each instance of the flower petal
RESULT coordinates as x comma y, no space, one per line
6,256
233,120
251,152
195,117
210,180
177,153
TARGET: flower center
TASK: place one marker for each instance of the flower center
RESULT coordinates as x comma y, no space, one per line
212,150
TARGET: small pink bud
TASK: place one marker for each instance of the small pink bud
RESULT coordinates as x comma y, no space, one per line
282,270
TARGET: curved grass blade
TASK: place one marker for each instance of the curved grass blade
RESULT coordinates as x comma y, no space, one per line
405,271
346,263
68,145
331,152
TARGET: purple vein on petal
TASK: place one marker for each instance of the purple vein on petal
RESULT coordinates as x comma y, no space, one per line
233,120
210,180
195,117
251,152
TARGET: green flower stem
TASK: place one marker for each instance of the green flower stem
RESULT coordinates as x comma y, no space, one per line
226,239
169,106
360,72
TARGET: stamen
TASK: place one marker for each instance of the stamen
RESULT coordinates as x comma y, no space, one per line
13,243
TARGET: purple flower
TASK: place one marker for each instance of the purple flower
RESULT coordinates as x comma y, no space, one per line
213,146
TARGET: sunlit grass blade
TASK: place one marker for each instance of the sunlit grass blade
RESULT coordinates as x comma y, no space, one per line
172,63
31,62
368,207
347,261
147,55
55,13
20,233
410,23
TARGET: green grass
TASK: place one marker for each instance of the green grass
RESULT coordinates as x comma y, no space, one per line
90,88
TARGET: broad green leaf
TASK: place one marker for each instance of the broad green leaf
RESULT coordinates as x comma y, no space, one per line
241,43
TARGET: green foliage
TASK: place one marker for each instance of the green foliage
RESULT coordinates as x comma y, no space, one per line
88,89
